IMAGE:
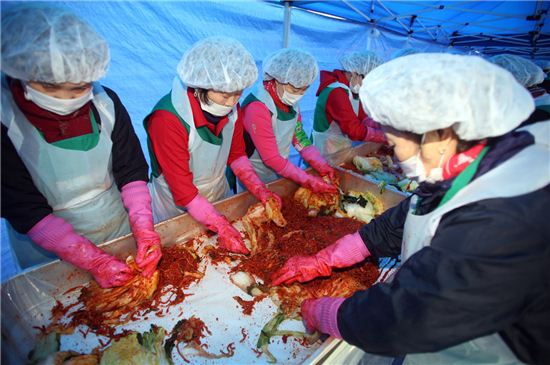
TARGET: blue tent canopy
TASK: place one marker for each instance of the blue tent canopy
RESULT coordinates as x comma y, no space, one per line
488,27
148,38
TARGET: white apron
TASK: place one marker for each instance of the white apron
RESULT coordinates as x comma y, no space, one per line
78,185
207,161
419,230
283,131
333,139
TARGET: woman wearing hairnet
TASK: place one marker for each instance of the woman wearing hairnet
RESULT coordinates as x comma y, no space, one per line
272,121
73,173
545,65
196,130
473,284
339,117
529,75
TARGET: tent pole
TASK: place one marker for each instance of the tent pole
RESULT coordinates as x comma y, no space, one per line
286,30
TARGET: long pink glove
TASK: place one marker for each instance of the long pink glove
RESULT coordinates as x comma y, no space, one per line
371,123
345,252
316,184
56,235
245,172
228,237
321,315
136,199
375,135
313,157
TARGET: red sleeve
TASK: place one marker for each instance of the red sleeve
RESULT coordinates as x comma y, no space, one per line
362,114
237,144
257,121
170,142
340,110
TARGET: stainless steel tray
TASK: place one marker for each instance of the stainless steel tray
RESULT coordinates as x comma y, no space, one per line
27,298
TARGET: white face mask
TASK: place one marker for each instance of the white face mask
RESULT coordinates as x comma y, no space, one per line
216,109
290,98
355,88
55,105
413,167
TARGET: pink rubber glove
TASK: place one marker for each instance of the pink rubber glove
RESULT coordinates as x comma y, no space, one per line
313,157
136,199
371,123
316,184
56,235
375,135
245,172
345,252
228,237
321,315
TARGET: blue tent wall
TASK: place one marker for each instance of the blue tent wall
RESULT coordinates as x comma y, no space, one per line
147,40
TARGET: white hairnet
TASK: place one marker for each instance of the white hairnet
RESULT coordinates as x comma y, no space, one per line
544,64
404,52
360,62
429,91
48,44
291,66
218,63
526,72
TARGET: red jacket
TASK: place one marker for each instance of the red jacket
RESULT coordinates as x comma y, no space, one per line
170,142
339,108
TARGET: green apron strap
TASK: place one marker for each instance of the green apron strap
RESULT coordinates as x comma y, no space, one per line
464,177
80,143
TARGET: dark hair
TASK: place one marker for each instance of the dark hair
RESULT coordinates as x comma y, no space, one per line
201,95
461,145
465,145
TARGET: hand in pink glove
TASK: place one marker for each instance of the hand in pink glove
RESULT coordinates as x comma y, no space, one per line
205,213
56,235
321,315
245,172
230,239
345,252
375,135
316,184
313,157
136,199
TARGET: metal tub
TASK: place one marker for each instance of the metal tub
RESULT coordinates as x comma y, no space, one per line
28,298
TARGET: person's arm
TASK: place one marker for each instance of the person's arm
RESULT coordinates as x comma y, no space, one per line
310,153
478,277
129,163
28,211
130,172
257,122
340,110
238,147
383,236
170,141
23,205
244,170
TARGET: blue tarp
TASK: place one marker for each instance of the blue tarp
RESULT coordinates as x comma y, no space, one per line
147,39
488,27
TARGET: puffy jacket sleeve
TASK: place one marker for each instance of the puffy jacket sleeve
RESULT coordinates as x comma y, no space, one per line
383,235
129,162
486,271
